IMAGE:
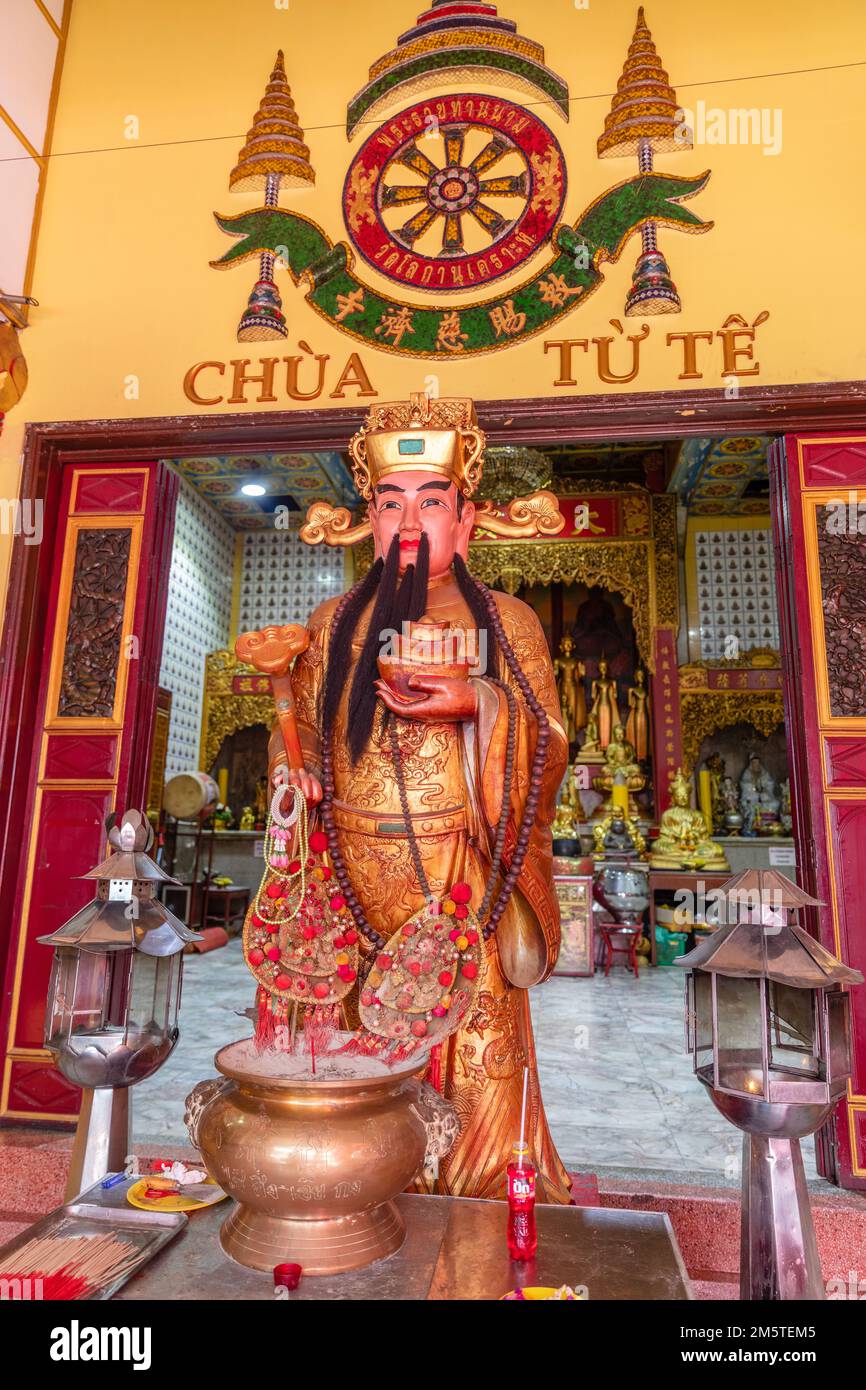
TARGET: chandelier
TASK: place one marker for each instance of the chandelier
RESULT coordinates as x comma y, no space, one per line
510,471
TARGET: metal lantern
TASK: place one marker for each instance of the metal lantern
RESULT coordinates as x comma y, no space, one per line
114,996
768,1027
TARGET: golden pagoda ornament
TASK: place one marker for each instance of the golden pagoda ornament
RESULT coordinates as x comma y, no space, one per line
274,153
642,120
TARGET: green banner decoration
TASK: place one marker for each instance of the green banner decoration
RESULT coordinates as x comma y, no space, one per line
441,331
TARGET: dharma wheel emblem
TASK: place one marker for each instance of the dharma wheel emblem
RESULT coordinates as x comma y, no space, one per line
455,192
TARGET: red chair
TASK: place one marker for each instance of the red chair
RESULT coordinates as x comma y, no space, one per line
620,941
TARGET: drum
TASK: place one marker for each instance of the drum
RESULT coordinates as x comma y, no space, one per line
190,795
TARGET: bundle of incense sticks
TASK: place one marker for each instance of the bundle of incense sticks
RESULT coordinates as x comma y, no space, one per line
71,1267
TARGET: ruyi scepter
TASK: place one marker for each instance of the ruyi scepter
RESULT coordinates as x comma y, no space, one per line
299,941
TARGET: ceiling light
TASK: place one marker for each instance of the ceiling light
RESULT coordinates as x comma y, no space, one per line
253,490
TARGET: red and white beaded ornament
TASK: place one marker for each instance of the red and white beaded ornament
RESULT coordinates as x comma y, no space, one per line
300,942
421,985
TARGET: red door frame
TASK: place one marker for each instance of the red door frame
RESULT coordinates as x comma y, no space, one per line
47,447
828,760
81,765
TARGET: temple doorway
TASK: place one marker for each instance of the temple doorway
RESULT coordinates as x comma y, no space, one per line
609,596
659,598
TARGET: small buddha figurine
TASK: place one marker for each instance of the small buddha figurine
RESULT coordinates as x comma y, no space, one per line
248,820
605,709
683,842
617,835
580,710
637,723
566,669
569,810
619,761
563,827
590,752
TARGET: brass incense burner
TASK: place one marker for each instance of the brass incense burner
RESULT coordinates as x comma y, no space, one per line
314,1164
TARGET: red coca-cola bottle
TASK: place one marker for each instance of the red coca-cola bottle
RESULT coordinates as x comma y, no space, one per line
522,1235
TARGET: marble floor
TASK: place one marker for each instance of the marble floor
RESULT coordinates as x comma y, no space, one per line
617,1085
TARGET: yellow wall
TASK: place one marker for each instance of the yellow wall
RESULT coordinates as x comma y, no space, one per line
122,270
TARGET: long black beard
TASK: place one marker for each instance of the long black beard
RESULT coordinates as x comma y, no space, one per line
340,645
398,600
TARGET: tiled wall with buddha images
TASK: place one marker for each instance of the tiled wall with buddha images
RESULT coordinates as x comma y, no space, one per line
198,618
283,579
736,591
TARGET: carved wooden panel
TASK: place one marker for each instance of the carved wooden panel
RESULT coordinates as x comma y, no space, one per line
842,562
95,622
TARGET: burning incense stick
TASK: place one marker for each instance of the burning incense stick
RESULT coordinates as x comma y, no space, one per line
523,1112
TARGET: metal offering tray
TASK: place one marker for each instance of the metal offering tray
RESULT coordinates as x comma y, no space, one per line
97,1211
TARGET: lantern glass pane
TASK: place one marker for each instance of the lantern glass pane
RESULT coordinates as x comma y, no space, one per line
148,1001
839,1036
703,1005
739,1041
79,1000
794,1044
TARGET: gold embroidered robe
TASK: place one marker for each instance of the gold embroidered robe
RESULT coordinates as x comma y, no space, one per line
454,779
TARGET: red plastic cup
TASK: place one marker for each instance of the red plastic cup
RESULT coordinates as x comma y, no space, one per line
287,1276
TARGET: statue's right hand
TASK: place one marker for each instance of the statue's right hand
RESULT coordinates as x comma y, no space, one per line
308,783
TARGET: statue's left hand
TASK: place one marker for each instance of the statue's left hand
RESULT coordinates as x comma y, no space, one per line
446,699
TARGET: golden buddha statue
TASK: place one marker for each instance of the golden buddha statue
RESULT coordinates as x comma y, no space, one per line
619,761
605,709
590,752
565,668
684,841
563,827
637,723
580,710
569,811
248,820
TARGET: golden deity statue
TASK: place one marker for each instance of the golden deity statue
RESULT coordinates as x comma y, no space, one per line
412,806
619,759
684,839
563,827
617,833
637,723
580,711
566,668
715,766
248,820
605,710
590,751
569,811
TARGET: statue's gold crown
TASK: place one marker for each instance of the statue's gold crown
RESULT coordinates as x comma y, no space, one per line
425,434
